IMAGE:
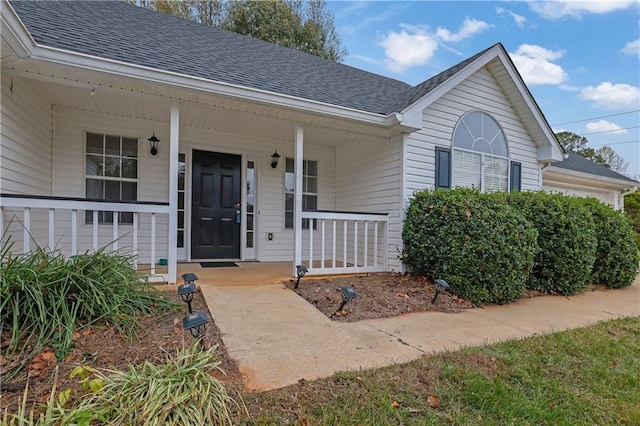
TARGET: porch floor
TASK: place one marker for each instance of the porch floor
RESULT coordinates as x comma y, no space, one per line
246,273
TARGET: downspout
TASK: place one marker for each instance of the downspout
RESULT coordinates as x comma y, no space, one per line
624,193
543,167
53,149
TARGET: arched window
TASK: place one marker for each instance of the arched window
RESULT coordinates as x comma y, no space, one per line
480,156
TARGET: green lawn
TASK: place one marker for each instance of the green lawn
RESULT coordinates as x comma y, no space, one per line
585,376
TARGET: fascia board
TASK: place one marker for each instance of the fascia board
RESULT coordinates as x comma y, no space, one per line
94,63
14,32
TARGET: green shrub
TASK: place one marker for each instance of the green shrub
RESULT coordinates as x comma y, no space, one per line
483,248
616,264
566,237
45,297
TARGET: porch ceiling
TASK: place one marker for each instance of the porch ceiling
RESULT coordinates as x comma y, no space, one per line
71,87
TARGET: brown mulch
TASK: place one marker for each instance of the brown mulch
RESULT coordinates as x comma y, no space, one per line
103,348
378,296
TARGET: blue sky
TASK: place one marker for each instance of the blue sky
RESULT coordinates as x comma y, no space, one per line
580,60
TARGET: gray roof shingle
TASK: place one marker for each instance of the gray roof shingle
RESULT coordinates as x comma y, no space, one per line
578,163
120,31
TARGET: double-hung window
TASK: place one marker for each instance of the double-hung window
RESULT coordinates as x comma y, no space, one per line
111,173
309,190
480,157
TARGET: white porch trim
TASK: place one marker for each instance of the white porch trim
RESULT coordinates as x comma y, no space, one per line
297,209
174,138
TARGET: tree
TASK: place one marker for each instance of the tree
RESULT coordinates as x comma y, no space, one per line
302,25
605,156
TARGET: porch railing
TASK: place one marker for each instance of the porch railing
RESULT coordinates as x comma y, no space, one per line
344,243
72,226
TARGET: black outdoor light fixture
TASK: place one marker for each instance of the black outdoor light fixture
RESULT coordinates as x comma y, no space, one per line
275,158
196,323
301,270
187,289
440,286
348,294
153,142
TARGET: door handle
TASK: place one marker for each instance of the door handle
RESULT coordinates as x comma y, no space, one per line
225,219
206,218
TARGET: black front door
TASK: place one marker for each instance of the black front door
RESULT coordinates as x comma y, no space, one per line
215,199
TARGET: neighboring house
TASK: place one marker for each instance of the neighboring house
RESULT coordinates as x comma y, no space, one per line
580,176
87,87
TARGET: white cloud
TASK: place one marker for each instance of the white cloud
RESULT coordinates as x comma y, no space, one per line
468,28
412,46
612,96
603,126
536,67
519,19
577,9
632,48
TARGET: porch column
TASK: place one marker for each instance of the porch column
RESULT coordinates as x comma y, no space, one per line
174,136
297,205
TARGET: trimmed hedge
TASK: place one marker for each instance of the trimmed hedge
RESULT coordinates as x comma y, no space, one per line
617,263
566,237
483,249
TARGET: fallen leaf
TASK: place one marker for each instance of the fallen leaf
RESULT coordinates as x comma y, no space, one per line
48,356
304,421
433,401
176,322
414,411
395,404
44,398
402,296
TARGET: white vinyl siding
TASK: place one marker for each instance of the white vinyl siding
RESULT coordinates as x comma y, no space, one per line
25,156
479,92
368,180
26,139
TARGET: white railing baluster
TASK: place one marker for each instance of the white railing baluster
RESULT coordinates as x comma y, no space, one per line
95,230
135,238
26,222
344,244
52,228
310,243
322,243
375,243
366,243
333,247
116,219
153,244
355,243
74,232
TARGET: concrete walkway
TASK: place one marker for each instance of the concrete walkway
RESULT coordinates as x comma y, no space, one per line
277,338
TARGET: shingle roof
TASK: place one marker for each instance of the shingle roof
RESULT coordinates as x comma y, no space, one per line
578,163
120,31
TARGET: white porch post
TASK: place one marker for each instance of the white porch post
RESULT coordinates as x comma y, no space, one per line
297,206
174,136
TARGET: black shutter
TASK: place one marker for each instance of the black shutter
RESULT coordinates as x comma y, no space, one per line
516,174
443,168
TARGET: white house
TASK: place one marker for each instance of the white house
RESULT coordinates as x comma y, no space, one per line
87,87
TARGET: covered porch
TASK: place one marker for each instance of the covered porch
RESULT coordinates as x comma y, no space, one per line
332,203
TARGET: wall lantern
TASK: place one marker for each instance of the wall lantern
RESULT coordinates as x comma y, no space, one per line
301,270
196,323
153,142
348,294
440,286
187,289
275,158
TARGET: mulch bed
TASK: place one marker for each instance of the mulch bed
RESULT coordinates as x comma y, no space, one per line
378,296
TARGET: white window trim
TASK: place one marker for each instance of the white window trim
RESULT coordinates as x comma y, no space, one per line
286,191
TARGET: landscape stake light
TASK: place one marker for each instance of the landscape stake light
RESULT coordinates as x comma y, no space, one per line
348,293
196,323
301,270
187,289
440,286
